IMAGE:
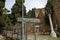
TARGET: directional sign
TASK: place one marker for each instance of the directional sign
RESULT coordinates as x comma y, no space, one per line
28,20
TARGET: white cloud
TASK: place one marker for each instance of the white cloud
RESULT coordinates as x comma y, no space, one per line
35,4
28,3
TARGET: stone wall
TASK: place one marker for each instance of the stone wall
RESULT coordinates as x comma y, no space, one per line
40,13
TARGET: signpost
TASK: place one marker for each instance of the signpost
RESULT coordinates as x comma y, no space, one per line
28,20
23,20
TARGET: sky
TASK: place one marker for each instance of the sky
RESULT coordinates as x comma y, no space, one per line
35,4
9,4
28,3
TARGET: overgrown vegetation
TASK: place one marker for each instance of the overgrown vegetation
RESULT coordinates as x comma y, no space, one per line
4,19
31,13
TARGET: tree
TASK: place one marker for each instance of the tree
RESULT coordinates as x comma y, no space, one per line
5,21
56,15
31,13
2,4
17,10
49,9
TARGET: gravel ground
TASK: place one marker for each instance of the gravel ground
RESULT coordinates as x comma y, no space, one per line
1,37
32,37
41,37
